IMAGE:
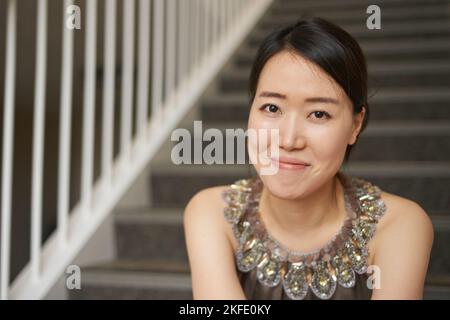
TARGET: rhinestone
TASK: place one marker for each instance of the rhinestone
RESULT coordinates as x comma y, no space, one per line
269,272
345,274
366,197
235,197
242,231
363,231
233,214
366,229
323,283
295,284
250,258
242,185
357,257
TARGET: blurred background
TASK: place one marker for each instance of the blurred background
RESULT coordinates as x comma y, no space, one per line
87,117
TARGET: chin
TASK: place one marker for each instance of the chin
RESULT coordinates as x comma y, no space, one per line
285,187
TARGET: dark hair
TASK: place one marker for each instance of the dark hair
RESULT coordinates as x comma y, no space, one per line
326,45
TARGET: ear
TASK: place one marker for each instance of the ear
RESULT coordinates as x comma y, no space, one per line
357,124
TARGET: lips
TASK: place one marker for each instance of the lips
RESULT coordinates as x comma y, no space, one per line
289,163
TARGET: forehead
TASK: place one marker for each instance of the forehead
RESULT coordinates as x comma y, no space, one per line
298,78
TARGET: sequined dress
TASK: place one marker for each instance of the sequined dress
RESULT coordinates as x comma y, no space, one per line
267,270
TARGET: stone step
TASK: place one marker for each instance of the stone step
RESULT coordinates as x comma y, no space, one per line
401,30
157,232
435,292
351,13
290,6
147,280
439,267
386,75
131,280
425,182
382,141
387,51
390,141
144,284
386,104
156,238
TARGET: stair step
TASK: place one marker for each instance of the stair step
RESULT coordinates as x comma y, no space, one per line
356,23
343,14
437,285
143,236
425,182
174,185
388,51
418,30
421,142
158,243
405,74
132,280
140,266
386,104
440,255
436,293
289,6
150,280
383,69
383,46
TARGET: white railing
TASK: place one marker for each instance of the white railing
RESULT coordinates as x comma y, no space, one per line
208,33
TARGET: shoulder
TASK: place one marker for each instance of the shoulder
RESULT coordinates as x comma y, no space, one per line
209,250
402,246
205,210
403,217
206,204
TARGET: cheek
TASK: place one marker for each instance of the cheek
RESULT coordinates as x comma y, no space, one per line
262,128
328,142
257,120
259,140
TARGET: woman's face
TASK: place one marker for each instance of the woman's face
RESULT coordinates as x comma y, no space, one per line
315,122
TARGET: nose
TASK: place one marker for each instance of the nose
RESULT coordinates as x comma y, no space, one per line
291,135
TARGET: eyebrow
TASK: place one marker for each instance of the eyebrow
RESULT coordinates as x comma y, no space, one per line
269,94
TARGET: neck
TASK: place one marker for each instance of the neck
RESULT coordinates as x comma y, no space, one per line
307,214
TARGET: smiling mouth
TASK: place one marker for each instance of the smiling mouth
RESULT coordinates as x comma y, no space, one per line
289,165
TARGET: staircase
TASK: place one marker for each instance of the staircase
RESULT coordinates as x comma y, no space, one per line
405,149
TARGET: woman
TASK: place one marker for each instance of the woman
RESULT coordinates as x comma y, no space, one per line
307,231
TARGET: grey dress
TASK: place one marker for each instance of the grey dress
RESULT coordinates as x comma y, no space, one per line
268,271
254,290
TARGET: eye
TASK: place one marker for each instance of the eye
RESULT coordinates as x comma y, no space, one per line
271,108
321,115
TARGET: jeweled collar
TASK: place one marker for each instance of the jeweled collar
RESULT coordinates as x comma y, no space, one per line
320,270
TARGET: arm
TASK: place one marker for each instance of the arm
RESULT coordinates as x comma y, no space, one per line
211,256
402,253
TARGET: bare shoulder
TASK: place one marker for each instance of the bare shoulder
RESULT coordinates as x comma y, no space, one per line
206,204
401,249
403,218
206,208
401,211
208,197
210,253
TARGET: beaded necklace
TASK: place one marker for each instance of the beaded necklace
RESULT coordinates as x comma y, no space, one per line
321,270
